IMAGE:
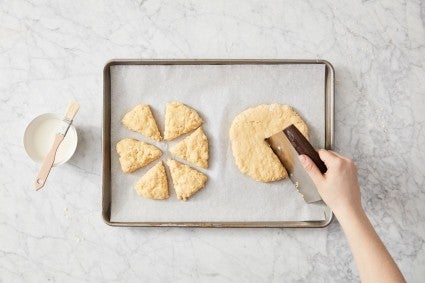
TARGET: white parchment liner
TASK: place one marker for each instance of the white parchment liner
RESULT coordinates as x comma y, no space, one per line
218,93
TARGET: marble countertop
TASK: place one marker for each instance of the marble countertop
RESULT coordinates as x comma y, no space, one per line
54,51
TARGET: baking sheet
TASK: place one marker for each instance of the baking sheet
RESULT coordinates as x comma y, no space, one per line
218,93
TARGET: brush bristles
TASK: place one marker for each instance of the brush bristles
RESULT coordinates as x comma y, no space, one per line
72,110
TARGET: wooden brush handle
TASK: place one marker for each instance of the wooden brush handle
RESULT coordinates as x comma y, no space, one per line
41,178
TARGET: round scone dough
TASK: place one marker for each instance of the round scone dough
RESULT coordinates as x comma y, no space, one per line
248,132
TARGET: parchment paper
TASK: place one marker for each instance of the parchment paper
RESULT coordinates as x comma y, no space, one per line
218,93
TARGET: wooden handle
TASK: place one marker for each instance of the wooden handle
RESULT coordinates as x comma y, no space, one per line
72,110
48,163
303,146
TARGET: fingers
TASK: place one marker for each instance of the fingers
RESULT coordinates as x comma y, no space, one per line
329,157
311,169
339,155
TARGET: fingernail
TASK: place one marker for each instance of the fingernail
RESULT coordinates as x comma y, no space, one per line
302,158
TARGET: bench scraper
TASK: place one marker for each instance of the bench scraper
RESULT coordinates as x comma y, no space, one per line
287,145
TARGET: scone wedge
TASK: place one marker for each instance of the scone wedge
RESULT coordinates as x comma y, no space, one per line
180,119
134,154
193,148
154,184
140,119
186,180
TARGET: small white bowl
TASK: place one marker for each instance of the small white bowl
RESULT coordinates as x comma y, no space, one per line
40,134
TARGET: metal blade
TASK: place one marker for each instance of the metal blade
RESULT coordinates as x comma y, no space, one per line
289,158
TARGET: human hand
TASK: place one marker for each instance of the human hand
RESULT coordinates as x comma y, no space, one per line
338,187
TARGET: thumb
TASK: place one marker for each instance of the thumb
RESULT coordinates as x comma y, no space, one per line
311,169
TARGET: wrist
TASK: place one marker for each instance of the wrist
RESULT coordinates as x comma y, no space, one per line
347,214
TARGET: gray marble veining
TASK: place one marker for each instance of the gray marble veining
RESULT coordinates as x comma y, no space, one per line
54,51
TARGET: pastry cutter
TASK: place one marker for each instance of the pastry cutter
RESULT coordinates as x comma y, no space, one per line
287,145
41,178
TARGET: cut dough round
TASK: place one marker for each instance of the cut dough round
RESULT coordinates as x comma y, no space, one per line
186,180
140,119
153,184
193,148
136,154
248,132
180,119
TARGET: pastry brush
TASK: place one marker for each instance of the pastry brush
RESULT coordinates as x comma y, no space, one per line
49,160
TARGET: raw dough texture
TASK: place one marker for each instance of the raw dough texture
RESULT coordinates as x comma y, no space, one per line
153,184
135,154
248,132
193,148
186,180
141,120
180,119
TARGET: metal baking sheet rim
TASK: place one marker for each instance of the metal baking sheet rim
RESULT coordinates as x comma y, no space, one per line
106,142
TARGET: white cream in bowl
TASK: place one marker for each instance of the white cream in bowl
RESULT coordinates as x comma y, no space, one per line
40,134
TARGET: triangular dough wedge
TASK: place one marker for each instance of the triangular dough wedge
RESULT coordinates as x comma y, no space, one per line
153,184
180,119
187,181
135,154
193,148
140,119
